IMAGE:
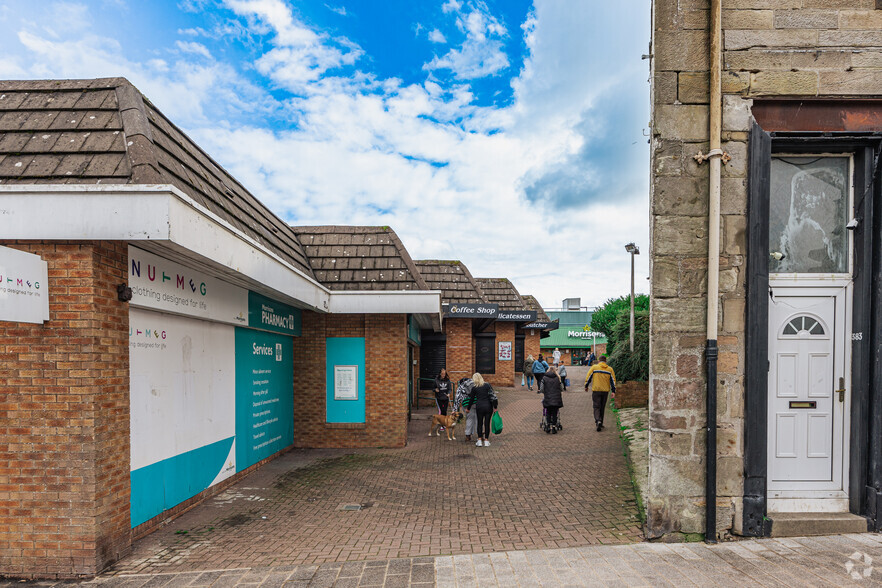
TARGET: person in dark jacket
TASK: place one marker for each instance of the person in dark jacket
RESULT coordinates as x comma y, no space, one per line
553,400
483,401
442,391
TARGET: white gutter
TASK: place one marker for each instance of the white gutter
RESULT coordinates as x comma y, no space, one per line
142,214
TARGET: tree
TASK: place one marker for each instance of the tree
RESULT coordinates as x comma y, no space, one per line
604,318
613,319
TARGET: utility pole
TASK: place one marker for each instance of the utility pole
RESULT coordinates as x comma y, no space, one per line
633,250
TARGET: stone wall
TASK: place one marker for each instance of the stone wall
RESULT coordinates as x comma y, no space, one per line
795,48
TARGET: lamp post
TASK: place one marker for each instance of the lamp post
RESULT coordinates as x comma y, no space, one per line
633,250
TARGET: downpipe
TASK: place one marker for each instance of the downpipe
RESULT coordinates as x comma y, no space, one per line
715,155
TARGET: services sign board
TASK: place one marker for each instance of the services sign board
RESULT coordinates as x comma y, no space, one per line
544,325
470,310
516,316
24,287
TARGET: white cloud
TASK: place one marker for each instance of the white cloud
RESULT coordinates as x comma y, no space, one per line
353,148
300,55
341,10
483,52
437,36
194,48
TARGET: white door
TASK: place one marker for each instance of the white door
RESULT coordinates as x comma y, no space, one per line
806,410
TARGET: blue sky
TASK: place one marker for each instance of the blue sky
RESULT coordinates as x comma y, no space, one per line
509,134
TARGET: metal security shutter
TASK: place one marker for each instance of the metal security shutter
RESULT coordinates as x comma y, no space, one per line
485,353
433,357
519,352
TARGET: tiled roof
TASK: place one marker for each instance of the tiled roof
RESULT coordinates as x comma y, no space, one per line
502,292
359,258
533,304
454,280
104,131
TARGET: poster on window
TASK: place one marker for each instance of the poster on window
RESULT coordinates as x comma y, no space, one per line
505,351
345,382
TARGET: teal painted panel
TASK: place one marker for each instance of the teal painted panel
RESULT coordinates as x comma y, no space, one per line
264,395
271,315
344,351
167,483
413,329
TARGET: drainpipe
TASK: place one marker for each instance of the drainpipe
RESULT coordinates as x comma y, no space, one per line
713,272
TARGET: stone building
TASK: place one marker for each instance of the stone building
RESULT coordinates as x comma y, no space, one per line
766,134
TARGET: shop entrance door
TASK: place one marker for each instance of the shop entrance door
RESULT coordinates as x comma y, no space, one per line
485,353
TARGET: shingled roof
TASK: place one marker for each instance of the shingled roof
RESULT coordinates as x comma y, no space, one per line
533,304
104,131
359,258
454,280
502,292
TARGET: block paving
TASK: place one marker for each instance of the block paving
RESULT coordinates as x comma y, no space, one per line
844,560
528,490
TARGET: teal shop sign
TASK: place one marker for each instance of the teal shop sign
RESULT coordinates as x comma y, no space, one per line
270,315
264,395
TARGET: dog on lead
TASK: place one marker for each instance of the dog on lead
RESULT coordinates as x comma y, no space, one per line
448,421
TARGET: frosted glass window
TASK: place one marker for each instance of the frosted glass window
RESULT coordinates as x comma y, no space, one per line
808,211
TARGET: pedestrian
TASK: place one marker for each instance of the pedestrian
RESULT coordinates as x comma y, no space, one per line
539,368
553,399
555,357
591,357
461,401
562,372
528,371
484,402
442,391
602,380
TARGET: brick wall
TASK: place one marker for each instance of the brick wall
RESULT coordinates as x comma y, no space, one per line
505,370
64,438
385,381
531,343
460,348
824,48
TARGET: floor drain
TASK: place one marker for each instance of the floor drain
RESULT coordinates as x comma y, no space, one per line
350,507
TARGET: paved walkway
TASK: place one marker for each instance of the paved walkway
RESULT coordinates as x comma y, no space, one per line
845,560
528,490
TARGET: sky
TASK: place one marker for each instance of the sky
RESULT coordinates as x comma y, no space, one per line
508,134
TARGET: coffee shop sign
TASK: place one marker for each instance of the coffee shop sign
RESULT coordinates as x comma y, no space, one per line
584,334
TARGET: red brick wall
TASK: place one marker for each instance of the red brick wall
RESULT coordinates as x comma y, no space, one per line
64,419
531,343
505,370
385,381
460,348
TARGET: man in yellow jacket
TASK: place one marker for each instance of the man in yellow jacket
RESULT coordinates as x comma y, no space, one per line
602,381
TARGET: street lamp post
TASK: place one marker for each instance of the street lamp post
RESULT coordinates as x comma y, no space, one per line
633,250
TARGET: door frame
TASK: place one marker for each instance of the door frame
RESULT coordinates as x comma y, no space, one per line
864,464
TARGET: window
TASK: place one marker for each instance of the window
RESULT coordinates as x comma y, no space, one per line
809,206
802,324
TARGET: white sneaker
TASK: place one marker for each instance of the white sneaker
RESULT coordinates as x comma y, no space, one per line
478,443
486,444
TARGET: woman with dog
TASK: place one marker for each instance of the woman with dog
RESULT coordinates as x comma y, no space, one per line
442,391
483,401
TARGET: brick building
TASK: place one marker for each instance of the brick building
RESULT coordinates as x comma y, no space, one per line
766,408
360,259
506,331
465,309
183,324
